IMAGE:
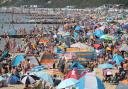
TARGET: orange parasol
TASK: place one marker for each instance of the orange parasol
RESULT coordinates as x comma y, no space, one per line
43,41
47,61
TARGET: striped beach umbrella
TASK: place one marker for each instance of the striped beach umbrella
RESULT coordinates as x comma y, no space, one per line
28,79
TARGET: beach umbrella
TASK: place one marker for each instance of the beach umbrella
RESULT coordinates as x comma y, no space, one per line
72,74
96,46
98,33
2,79
82,46
70,56
122,86
117,58
77,28
44,76
28,79
124,47
17,60
109,19
58,50
61,33
125,26
43,41
90,81
14,79
106,37
38,68
67,83
47,58
104,66
84,72
76,65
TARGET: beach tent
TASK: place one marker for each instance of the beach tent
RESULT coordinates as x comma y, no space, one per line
117,58
67,83
90,81
14,79
17,60
76,65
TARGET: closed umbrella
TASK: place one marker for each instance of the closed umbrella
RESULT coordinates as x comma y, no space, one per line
67,83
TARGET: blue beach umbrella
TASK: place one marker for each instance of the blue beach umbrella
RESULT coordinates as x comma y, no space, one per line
104,66
1,78
98,33
90,82
78,28
38,68
125,26
44,76
67,83
16,61
76,65
118,59
14,79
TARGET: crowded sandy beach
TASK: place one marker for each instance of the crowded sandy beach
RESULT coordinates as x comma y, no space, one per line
77,49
